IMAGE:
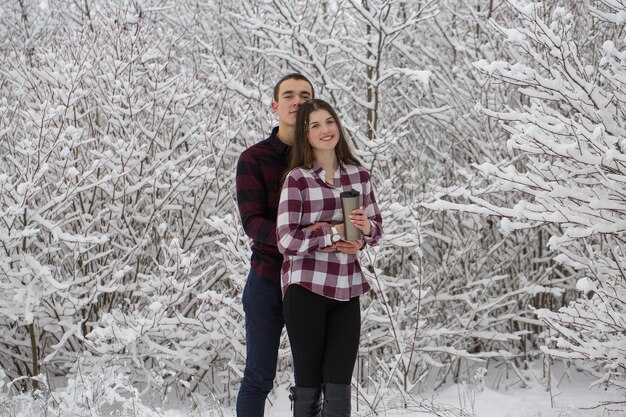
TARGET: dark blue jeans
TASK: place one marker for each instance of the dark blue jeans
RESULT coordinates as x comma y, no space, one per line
263,306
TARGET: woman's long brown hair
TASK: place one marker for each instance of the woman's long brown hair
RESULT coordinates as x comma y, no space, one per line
302,152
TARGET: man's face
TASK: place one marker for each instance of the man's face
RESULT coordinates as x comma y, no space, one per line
291,94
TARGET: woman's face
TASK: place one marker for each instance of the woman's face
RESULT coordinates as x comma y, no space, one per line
323,130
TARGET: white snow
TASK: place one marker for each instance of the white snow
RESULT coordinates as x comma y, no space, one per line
585,285
487,394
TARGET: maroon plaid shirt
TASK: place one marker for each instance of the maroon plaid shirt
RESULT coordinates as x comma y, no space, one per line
305,199
259,170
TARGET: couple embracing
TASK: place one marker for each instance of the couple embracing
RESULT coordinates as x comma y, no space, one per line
305,273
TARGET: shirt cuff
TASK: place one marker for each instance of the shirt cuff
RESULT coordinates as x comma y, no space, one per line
374,232
326,237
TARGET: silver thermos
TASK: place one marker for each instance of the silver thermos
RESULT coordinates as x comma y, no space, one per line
350,200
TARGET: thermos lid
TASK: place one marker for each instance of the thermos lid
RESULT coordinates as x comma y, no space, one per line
351,193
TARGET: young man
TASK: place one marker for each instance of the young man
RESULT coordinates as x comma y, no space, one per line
258,180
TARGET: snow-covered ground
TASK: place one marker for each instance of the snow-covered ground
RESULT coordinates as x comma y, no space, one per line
498,391
570,396
571,399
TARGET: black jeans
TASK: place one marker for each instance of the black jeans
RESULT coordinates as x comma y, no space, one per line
324,336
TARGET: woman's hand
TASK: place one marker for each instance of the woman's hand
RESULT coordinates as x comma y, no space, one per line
360,221
351,247
346,247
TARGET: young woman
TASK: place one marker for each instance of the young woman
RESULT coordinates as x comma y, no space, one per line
321,288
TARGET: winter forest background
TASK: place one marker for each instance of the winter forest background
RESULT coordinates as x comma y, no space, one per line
495,132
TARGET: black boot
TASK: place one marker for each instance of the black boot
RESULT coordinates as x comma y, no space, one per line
336,400
306,402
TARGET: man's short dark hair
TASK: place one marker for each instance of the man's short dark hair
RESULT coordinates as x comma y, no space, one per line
294,76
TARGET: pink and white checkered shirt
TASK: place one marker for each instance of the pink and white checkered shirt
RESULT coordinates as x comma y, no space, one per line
305,199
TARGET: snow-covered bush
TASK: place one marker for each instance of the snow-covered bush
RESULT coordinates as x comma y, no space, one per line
120,126
112,155
568,164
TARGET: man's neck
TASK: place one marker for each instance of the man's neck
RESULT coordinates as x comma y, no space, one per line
286,134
